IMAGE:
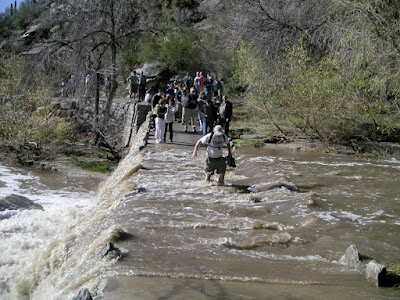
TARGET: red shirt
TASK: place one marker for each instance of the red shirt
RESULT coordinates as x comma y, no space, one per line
202,79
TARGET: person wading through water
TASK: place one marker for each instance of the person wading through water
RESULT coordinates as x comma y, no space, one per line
215,161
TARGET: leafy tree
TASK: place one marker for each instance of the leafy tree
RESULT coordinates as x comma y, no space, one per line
344,86
366,40
177,52
27,14
170,39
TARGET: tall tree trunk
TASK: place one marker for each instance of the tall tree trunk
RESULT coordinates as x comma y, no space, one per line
114,73
96,107
97,100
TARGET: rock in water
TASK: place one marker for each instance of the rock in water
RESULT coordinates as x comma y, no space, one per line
376,273
83,294
110,251
254,189
107,248
285,185
351,257
15,202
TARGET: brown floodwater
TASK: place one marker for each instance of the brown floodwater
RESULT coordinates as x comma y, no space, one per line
185,239
194,240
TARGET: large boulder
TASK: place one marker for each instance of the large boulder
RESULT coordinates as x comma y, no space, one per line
375,272
15,202
151,70
377,275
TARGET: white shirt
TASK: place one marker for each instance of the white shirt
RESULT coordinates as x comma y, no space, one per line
214,149
148,98
170,115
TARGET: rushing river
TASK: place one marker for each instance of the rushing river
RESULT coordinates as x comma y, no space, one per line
189,240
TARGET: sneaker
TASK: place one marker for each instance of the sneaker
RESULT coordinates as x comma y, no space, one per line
185,130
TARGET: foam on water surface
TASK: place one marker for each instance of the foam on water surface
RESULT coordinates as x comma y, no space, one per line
31,237
181,229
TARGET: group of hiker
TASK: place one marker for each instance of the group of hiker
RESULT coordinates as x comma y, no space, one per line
195,99
190,101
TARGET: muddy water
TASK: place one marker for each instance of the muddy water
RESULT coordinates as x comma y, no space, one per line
195,240
191,240
32,241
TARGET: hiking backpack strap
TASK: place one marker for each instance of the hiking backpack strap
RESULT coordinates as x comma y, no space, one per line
210,138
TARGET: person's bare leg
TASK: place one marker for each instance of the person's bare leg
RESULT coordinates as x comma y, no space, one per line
208,179
221,178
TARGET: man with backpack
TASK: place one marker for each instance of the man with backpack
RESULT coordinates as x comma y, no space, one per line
215,160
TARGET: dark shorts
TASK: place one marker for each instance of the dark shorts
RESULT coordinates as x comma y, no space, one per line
134,89
215,164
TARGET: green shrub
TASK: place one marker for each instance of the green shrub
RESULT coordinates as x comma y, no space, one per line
190,4
322,99
177,52
26,118
248,143
100,166
27,13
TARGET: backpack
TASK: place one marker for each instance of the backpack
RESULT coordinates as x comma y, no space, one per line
211,136
185,102
230,161
178,95
192,101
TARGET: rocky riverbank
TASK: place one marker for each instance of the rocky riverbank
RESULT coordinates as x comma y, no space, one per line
302,144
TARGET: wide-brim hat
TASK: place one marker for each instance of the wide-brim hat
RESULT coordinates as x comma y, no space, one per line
218,130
